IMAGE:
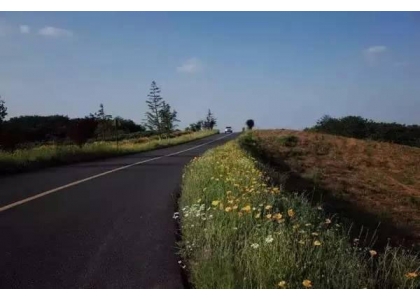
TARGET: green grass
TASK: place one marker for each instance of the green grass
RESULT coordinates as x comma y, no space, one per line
44,156
240,232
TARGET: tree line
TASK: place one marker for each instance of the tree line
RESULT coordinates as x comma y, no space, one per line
160,119
360,128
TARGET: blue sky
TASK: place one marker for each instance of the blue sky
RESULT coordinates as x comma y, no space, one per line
283,69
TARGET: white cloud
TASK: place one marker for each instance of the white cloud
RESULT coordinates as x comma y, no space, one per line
24,29
376,50
192,65
55,32
374,54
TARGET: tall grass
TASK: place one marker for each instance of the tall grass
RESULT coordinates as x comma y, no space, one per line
43,156
238,231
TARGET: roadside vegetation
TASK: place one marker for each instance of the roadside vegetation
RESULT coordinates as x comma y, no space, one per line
32,142
366,182
50,155
360,128
240,229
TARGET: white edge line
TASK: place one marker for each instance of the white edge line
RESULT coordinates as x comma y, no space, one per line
17,203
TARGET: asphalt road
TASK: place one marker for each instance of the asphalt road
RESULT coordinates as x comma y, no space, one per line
111,231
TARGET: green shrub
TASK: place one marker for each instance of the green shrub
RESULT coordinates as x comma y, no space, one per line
288,141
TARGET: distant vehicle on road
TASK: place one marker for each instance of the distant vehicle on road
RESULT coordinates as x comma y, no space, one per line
228,129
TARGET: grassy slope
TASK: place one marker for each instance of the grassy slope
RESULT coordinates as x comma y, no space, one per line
369,182
44,156
240,232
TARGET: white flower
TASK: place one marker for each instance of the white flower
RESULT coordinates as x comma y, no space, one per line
235,228
269,239
176,215
255,246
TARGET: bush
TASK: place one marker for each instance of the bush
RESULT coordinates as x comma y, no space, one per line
289,140
357,127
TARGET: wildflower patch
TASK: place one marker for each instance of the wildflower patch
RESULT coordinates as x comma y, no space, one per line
240,232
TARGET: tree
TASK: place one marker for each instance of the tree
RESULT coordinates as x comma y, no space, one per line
3,110
129,126
210,121
196,126
250,124
155,104
82,130
104,127
168,118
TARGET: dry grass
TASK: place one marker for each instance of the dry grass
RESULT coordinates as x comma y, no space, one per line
364,180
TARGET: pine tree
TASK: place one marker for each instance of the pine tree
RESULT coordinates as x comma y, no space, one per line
155,104
104,122
210,121
3,110
168,118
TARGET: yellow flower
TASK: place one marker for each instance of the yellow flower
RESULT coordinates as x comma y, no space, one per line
308,224
235,207
373,253
257,216
277,216
215,202
236,185
268,207
327,221
282,284
246,208
301,242
307,283
228,209
291,213
317,243
229,192
411,275
268,216
315,233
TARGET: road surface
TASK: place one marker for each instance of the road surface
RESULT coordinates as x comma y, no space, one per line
105,224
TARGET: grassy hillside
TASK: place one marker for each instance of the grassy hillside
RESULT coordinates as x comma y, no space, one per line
240,230
367,182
